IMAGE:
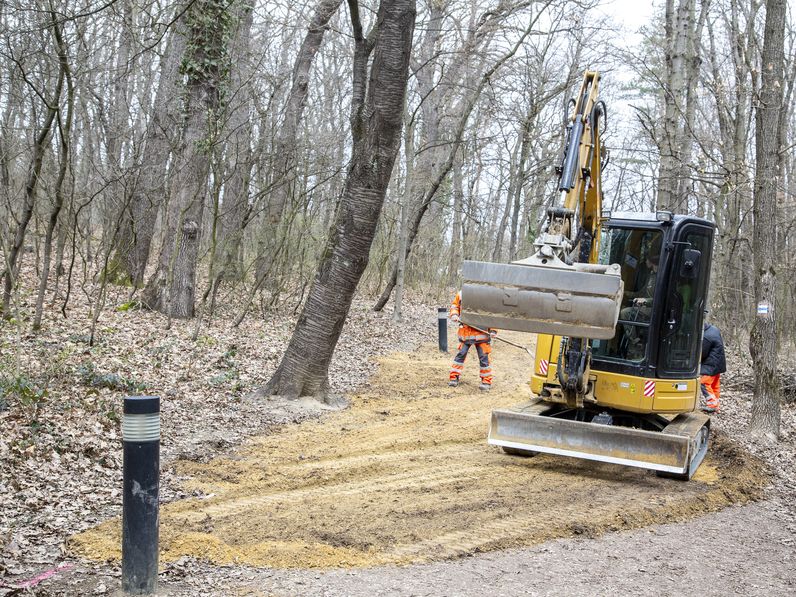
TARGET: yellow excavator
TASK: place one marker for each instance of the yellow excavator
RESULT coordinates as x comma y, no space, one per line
617,301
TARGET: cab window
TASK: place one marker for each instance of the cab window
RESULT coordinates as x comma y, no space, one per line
638,252
685,302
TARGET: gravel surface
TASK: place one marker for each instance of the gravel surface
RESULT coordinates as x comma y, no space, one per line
743,550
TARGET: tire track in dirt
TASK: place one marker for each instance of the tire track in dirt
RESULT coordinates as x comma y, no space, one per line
405,475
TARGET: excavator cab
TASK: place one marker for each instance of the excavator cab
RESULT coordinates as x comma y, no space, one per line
665,267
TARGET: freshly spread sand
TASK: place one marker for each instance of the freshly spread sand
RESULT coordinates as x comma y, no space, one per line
405,475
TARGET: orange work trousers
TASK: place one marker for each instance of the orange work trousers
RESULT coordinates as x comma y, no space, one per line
483,349
710,388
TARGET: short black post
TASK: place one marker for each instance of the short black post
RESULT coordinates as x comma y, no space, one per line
141,472
442,321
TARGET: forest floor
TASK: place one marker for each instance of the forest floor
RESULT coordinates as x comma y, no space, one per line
397,494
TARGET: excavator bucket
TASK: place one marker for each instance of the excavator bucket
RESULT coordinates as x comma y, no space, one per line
536,427
574,301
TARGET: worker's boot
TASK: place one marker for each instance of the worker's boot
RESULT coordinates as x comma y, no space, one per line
485,387
453,383
711,403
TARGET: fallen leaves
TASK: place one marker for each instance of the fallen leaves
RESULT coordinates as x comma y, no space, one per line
60,443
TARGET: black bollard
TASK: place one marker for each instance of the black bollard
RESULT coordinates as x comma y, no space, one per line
442,321
141,462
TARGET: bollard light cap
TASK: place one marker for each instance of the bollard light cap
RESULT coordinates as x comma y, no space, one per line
141,405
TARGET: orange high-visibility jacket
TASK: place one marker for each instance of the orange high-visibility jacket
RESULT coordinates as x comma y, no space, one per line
465,331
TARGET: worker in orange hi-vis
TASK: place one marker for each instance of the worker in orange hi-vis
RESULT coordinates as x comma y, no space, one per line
469,336
712,366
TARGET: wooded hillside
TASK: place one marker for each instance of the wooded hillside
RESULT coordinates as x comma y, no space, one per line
196,151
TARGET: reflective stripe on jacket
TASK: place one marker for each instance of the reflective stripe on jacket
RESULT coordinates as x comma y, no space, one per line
467,333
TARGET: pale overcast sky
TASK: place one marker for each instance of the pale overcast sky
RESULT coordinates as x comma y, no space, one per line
631,14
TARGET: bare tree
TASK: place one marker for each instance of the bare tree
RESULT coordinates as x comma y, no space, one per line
683,30
464,112
768,138
172,288
284,171
232,217
40,147
64,132
149,188
378,93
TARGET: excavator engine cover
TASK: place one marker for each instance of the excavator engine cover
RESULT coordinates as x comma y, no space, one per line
574,301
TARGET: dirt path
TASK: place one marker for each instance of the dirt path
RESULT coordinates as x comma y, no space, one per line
405,476
744,550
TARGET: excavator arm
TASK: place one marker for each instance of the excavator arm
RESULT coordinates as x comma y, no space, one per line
560,289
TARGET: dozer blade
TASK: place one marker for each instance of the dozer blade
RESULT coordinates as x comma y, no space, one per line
545,300
675,451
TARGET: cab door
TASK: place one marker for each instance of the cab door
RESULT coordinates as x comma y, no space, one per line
680,337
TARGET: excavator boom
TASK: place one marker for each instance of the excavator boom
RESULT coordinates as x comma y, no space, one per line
559,289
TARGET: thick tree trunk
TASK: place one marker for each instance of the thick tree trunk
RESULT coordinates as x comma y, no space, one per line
137,229
763,341
172,288
376,117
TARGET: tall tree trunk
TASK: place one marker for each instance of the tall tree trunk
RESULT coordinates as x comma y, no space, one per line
235,210
31,185
376,115
172,288
65,130
403,235
733,106
456,232
763,340
506,211
150,188
693,59
677,27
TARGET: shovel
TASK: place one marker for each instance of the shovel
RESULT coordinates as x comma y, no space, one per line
528,350
579,301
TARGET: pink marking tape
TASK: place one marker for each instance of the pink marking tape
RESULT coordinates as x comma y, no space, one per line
32,582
